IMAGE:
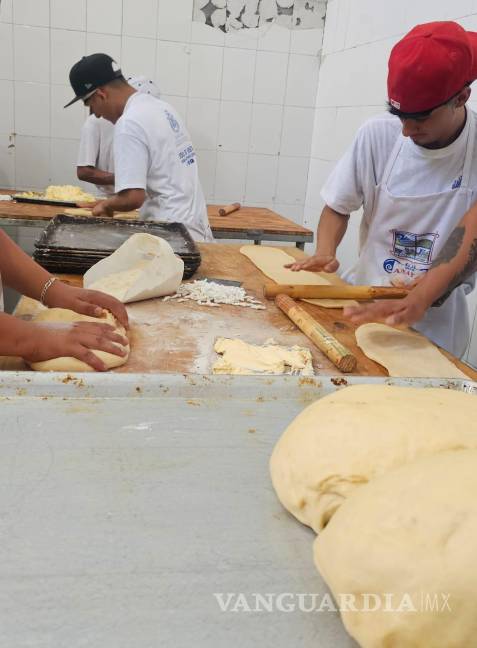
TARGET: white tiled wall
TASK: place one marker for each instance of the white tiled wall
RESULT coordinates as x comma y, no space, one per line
248,98
358,37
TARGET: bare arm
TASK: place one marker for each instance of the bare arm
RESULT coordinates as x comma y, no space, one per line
456,262
124,201
331,229
94,175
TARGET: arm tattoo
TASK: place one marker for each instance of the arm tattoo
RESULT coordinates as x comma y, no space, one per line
451,247
469,268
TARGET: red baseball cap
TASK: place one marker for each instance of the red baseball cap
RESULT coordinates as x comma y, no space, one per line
431,64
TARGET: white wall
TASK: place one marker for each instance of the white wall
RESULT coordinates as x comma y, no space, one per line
248,98
359,35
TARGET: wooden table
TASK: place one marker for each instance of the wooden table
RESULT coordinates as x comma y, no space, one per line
172,337
252,223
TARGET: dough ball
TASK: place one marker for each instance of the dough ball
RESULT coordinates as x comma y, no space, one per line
339,443
62,315
410,534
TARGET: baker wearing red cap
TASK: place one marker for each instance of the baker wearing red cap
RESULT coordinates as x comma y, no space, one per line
414,173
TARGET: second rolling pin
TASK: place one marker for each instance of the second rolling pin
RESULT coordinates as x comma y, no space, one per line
229,209
339,355
336,292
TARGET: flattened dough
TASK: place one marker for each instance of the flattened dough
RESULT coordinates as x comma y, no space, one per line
405,353
411,534
347,438
62,316
239,357
271,260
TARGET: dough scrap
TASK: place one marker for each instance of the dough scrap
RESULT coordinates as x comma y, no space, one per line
410,533
143,267
405,353
271,262
239,357
62,316
349,437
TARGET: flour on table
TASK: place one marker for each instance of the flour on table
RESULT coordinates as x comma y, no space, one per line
239,357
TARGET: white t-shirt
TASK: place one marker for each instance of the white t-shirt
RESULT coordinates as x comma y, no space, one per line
96,148
153,151
416,172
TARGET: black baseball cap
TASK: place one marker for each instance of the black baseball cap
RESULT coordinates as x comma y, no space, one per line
90,73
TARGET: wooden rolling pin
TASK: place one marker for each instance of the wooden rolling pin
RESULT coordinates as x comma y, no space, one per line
335,292
229,209
334,350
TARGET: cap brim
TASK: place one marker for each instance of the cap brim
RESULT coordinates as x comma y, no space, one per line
472,36
72,102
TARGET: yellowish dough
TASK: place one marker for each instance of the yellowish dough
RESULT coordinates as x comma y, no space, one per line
405,353
239,357
63,316
271,262
404,548
347,438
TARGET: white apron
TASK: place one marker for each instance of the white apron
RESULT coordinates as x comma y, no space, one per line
403,237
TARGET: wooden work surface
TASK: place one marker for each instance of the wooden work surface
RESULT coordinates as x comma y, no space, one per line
247,219
172,337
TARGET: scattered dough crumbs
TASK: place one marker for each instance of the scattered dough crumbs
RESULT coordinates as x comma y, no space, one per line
68,193
209,293
239,357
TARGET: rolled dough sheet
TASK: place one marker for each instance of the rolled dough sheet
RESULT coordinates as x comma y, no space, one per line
271,262
404,353
62,316
79,211
239,357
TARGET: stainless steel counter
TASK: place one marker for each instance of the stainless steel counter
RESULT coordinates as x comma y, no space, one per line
128,500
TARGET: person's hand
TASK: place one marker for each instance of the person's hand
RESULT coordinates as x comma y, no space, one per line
86,302
315,263
75,339
393,311
102,209
88,205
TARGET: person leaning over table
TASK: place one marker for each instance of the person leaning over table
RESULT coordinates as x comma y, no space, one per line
37,342
155,165
414,172
95,157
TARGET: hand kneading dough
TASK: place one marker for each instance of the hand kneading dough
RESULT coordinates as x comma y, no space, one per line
411,533
404,353
61,316
143,267
347,438
271,262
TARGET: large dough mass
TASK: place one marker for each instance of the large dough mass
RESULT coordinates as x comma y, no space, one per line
271,262
409,535
347,438
405,353
62,316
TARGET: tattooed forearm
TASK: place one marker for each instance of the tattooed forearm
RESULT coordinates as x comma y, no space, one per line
469,269
451,247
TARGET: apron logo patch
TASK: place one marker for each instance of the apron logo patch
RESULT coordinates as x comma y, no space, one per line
389,264
416,247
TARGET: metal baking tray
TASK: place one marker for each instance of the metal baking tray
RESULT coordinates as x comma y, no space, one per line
153,498
65,232
44,201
